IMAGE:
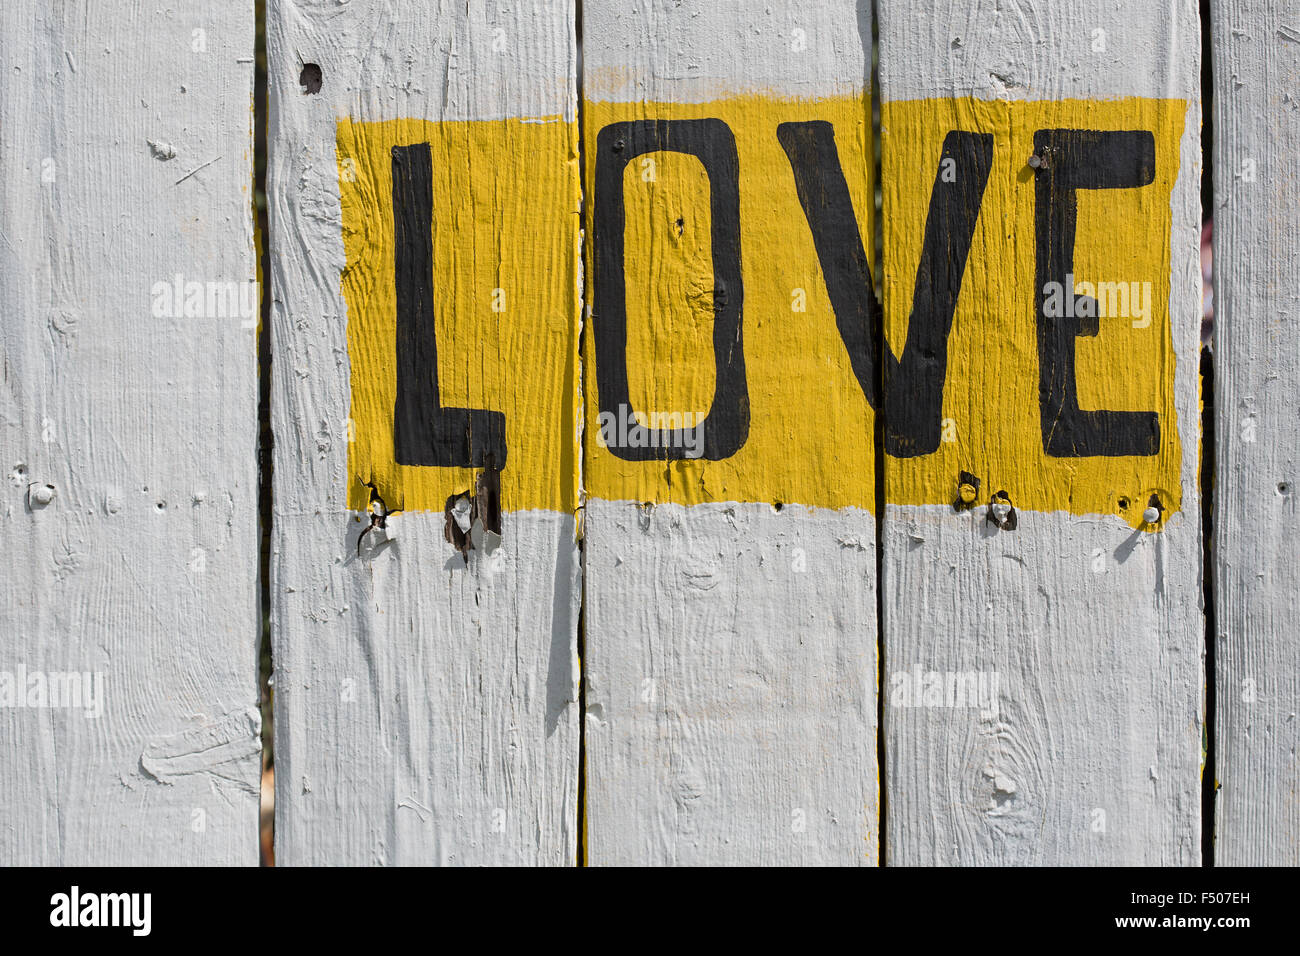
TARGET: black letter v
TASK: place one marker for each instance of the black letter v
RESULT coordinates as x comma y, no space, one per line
912,387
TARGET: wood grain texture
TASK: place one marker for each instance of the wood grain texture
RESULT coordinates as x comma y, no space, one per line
730,685
128,435
729,597
1075,637
1257,385
426,704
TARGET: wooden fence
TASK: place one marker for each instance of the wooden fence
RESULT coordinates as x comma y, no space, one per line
643,491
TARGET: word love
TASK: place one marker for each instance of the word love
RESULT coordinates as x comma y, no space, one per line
908,389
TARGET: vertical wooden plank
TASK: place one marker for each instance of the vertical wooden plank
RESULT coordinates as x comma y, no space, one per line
128,436
1043,650
1257,391
424,203
730,571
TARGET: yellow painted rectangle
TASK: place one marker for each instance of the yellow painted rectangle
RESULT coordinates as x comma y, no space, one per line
505,239
811,430
991,396
505,246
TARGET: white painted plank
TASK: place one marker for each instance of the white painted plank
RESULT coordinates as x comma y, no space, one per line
1257,385
729,600
128,435
1090,751
730,697
426,706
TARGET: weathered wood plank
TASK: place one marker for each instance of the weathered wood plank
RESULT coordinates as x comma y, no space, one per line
1257,394
730,600
1044,681
128,435
425,700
